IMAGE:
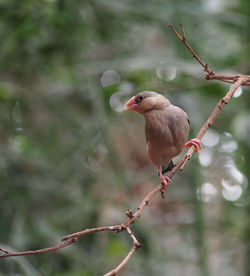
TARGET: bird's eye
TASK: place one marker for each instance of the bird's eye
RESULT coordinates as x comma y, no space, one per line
139,99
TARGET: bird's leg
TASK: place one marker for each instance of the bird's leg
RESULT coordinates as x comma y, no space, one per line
164,179
194,142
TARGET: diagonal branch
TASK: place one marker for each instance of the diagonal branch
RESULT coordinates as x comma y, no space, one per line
180,165
237,81
183,39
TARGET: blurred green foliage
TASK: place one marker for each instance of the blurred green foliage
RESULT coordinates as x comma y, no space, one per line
71,160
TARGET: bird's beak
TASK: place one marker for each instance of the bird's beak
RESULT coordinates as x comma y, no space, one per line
131,104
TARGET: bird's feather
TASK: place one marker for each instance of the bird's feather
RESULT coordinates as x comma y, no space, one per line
168,168
166,132
166,127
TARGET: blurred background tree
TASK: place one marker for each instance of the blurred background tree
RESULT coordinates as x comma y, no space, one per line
70,159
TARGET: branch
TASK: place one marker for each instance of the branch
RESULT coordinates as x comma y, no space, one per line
180,165
38,251
237,81
135,246
210,75
116,228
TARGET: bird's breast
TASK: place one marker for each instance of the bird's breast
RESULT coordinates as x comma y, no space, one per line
166,133
157,130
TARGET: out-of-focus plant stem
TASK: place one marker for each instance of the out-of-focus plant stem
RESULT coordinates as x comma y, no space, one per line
199,224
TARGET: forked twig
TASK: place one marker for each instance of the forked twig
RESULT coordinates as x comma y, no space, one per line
210,75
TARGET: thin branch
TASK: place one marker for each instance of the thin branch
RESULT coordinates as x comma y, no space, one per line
135,246
212,117
116,228
183,39
3,250
141,206
122,264
131,234
210,75
237,81
39,251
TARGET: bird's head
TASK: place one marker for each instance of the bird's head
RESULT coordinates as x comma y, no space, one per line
145,101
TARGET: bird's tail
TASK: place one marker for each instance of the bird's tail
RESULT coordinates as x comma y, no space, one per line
168,168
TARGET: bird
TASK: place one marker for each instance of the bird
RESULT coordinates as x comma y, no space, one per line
166,130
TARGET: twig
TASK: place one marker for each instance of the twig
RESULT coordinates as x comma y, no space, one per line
210,75
116,228
3,250
135,246
211,118
236,80
122,264
142,205
183,39
39,251
135,242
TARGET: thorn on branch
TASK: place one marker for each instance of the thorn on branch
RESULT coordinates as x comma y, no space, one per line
207,76
183,33
129,213
4,251
74,239
138,245
120,229
174,30
223,101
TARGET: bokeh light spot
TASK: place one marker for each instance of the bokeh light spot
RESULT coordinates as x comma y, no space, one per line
207,192
229,146
166,72
238,92
118,99
211,138
206,157
110,77
232,193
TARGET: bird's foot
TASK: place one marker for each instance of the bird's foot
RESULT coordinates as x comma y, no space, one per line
165,181
194,142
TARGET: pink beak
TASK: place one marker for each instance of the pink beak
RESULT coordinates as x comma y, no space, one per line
131,104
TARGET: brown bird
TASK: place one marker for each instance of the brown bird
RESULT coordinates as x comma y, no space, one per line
166,129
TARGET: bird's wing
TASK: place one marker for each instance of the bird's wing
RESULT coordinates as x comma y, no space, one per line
178,124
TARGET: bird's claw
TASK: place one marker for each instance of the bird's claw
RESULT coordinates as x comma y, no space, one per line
165,181
194,142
